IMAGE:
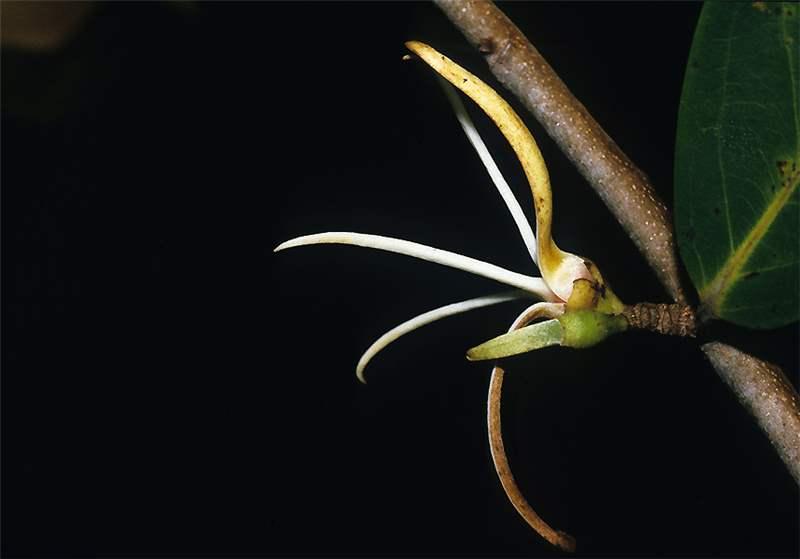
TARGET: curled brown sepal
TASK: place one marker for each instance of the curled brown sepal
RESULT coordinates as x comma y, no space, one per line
767,394
556,537
623,187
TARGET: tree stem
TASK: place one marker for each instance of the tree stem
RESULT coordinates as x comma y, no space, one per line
672,320
767,394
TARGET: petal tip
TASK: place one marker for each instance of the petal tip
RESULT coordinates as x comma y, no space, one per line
284,245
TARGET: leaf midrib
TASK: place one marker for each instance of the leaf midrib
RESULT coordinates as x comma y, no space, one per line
720,114
714,294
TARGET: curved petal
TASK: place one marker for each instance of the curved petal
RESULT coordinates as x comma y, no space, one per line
491,167
427,318
559,269
501,465
424,252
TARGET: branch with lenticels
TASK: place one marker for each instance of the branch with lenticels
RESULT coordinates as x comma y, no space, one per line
762,388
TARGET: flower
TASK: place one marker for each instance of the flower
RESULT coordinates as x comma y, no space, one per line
580,307
560,269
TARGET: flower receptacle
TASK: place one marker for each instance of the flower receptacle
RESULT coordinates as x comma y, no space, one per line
586,328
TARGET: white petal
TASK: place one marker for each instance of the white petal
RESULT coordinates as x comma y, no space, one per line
427,318
494,172
424,252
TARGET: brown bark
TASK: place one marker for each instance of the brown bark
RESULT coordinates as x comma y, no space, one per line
671,320
767,394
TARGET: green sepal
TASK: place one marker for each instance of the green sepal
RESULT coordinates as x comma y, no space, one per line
529,338
578,329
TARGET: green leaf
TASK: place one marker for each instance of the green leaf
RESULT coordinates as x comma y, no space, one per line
737,163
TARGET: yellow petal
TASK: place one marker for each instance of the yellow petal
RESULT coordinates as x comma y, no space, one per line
559,269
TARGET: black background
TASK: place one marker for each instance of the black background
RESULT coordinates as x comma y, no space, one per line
171,386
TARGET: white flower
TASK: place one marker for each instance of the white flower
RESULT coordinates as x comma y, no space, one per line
559,269
572,292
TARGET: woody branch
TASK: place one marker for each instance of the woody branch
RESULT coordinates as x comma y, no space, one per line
629,195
